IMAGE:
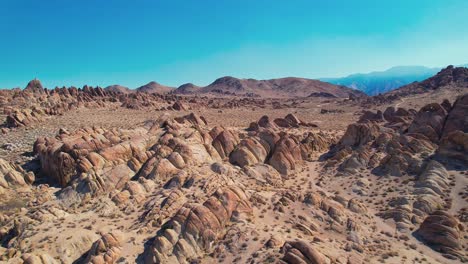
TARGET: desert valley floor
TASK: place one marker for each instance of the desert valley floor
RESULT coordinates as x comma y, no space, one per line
222,175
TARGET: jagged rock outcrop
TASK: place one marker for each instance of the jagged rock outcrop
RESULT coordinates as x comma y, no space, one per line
357,135
250,151
429,122
281,150
35,104
101,158
24,117
402,144
456,119
192,231
95,160
453,145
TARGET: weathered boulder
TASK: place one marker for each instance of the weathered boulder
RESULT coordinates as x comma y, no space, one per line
179,106
225,142
454,147
442,232
457,118
300,252
286,154
250,151
369,116
359,134
194,228
263,174
13,176
429,122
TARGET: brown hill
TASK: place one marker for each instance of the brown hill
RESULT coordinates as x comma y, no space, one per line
448,78
34,86
118,89
154,87
188,88
275,88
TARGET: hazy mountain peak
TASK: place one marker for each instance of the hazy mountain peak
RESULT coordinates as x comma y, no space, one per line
376,82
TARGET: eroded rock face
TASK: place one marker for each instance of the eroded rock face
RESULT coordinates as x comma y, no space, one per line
13,176
282,151
299,252
402,144
94,160
357,135
106,250
442,232
224,141
195,227
457,118
250,151
453,145
429,122
430,194
286,154
93,153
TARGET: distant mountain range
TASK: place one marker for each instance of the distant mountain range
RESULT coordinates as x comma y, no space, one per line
377,82
231,86
274,88
360,84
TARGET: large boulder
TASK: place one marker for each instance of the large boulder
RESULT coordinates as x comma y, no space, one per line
250,151
454,147
359,134
457,118
286,154
443,232
301,252
429,122
224,142
106,250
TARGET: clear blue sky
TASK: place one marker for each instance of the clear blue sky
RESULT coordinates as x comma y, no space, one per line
97,42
